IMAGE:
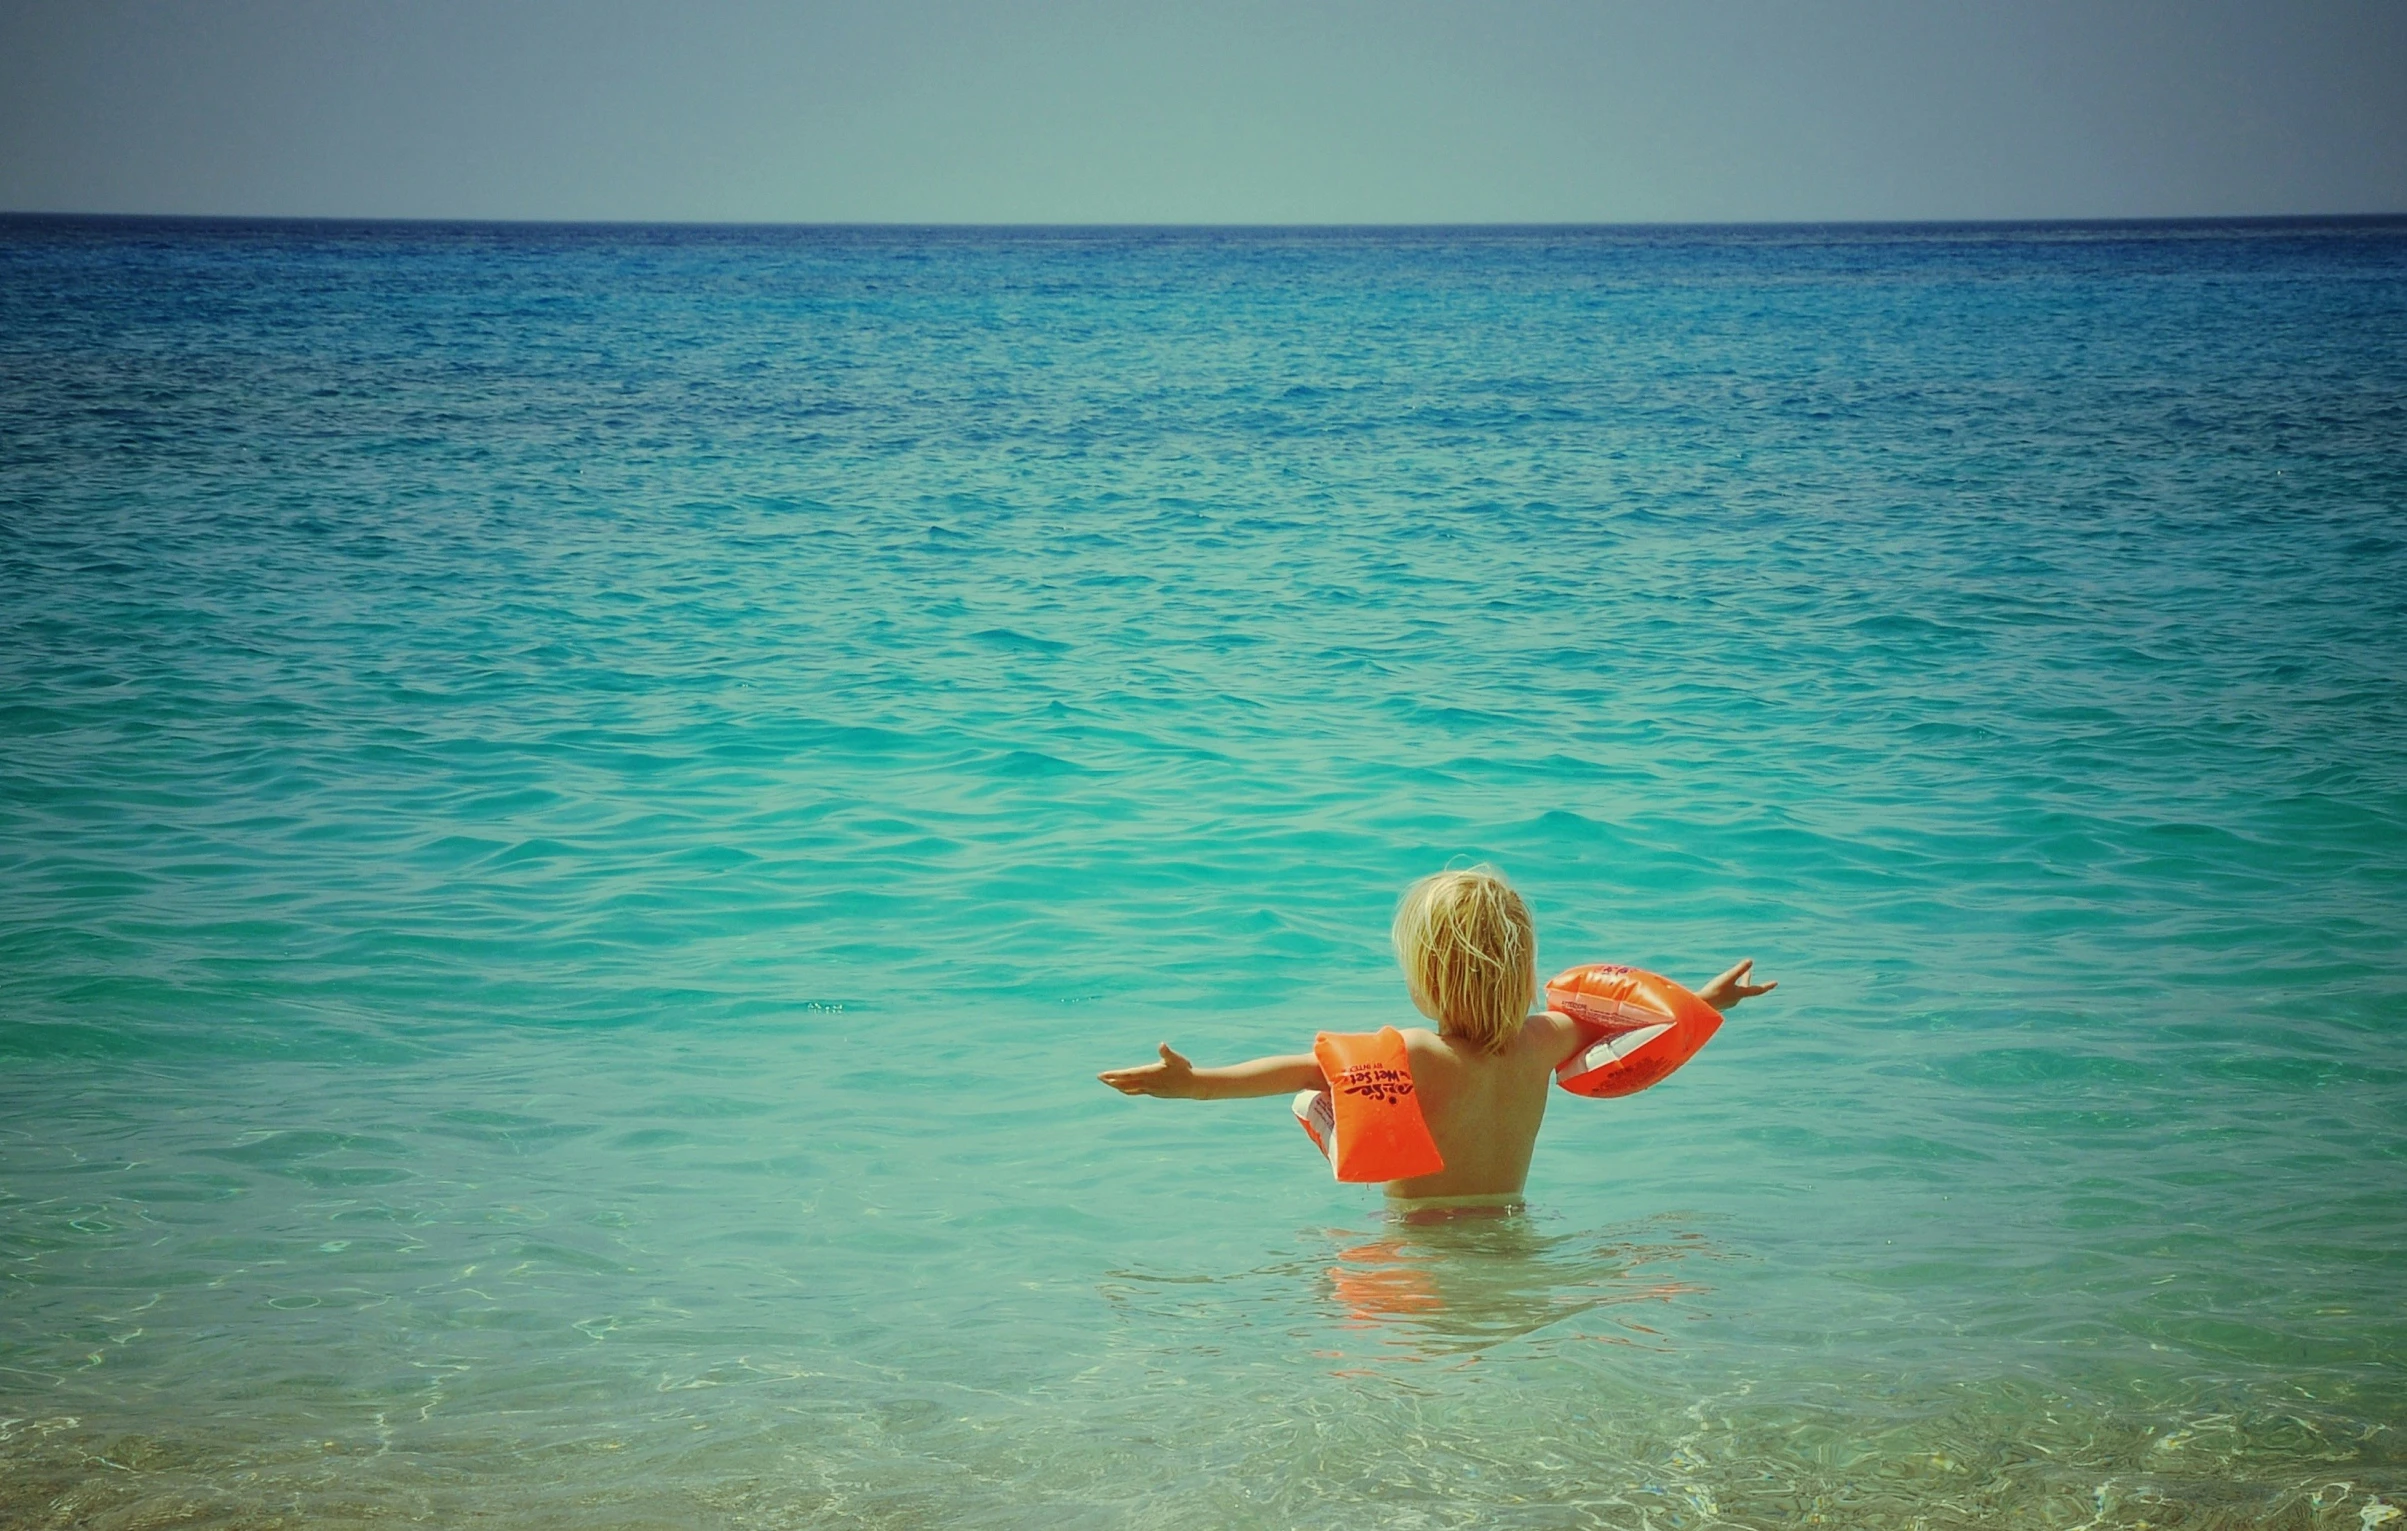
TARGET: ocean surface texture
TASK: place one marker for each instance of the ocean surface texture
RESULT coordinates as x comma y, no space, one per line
579,808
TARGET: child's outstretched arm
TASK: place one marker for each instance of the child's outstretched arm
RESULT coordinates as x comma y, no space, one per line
1725,992
1175,1078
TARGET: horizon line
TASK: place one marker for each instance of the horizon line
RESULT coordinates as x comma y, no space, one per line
30,215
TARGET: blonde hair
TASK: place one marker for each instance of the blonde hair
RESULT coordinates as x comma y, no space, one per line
1470,953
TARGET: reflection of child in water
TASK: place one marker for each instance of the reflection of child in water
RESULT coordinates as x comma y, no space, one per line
1447,1283
1469,953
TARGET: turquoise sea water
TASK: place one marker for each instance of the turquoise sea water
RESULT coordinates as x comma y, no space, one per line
578,809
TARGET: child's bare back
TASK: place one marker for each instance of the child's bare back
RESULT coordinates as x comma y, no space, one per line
1483,1108
1468,949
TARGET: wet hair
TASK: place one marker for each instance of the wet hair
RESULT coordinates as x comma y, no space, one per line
1470,953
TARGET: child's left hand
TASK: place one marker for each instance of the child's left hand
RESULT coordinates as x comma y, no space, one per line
1173,1077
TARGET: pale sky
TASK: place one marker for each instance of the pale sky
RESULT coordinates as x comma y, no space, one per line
1299,111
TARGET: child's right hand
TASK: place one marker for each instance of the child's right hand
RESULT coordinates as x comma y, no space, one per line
1173,1077
1726,991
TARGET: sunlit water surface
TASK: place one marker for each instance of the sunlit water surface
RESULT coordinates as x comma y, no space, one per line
578,809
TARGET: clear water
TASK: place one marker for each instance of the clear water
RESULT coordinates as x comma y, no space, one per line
578,809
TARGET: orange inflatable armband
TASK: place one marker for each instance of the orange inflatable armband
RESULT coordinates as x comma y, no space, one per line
1636,1027
1369,1119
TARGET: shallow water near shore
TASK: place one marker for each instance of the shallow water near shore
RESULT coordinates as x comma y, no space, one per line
579,808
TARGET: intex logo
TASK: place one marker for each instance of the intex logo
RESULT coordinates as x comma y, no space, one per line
1384,1085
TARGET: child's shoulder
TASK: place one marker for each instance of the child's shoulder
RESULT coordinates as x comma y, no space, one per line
1549,1034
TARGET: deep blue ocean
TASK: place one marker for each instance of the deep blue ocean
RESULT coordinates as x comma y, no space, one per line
579,808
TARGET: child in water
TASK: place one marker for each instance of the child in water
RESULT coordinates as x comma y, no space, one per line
1469,952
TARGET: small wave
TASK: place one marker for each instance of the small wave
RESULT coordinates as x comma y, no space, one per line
1018,642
